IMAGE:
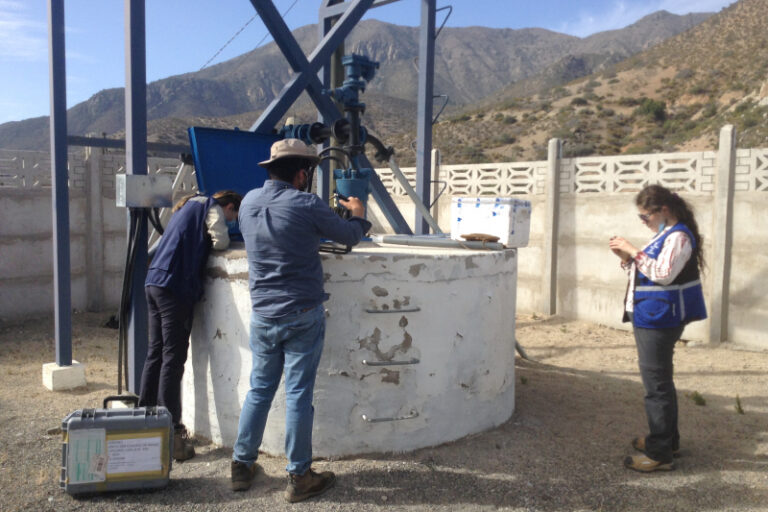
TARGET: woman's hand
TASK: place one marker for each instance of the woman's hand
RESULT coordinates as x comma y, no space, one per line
623,249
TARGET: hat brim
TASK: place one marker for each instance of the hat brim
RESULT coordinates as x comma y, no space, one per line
312,158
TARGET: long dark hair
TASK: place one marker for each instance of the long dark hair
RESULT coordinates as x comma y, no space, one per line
654,197
222,197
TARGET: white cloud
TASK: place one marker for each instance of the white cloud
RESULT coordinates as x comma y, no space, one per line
622,13
21,36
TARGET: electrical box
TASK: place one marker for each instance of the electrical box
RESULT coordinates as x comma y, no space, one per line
144,191
505,217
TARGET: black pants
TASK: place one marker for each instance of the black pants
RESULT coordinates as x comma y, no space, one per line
170,323
655,348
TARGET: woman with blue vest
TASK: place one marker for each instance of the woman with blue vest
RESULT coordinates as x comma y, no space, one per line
664,294
174,284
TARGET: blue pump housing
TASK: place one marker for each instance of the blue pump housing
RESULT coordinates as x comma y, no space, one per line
353,182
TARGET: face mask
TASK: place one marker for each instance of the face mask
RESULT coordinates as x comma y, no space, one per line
233,226
662,226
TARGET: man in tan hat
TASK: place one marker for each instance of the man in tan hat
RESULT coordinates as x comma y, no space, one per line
282,226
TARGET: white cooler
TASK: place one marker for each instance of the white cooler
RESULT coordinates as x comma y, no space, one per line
505,217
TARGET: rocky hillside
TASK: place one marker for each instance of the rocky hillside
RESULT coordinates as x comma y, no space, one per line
472,63
674,96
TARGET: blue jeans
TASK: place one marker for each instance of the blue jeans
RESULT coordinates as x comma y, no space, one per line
655,348
292,344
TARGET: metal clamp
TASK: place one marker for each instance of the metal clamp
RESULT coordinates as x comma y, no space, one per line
401,310
413,360
410,415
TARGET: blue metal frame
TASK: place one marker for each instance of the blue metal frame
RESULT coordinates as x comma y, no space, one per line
59,182
348,14
305,77
136,163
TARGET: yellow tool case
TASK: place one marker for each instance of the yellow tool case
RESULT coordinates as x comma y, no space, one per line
116,449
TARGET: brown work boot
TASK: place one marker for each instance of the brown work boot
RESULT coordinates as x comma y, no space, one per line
242,475
182,446
638,443
301,487
645,464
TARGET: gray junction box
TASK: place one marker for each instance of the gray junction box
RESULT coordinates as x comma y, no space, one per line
116,449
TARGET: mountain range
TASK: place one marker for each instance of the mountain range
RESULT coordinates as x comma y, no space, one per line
475,67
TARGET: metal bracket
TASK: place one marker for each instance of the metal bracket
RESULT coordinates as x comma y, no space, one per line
401,310
390,363
410,415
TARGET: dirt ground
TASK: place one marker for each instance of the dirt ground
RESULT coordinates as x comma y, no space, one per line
578,404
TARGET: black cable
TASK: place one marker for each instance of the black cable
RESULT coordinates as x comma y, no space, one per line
137,219
329,157
336,148
154,218
121,311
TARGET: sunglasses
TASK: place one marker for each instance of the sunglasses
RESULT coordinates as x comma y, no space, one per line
646,216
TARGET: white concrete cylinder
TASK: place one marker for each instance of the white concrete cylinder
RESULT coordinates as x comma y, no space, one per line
453,311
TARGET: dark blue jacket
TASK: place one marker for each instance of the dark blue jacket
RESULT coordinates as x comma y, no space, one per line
179,261
681,302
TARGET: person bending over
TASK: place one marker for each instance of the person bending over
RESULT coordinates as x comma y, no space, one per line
174,284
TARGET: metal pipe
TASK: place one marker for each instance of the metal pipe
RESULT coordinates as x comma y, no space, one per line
414,196
412,414
445,243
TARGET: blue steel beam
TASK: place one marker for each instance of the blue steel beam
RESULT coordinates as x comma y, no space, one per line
305,70
305,78
424,116
136,163
59,182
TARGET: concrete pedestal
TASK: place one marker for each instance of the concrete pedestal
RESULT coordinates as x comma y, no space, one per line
419,350
62,378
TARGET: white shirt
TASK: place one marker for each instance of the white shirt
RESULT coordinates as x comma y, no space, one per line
674,254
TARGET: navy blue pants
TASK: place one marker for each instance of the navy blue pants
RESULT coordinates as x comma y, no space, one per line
655,348
170,323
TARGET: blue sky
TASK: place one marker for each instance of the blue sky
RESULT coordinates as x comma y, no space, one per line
182,35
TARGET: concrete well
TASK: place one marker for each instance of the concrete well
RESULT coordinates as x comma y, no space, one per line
419,350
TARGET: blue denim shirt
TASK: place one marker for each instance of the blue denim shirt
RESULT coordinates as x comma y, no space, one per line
282,228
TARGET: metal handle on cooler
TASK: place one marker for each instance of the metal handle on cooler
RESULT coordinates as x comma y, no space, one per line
122,398
410,415
390,363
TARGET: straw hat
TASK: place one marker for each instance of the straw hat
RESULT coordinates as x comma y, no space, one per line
290,148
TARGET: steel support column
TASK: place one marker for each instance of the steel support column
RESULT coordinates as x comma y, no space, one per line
424,120
331,76
59,183
136,163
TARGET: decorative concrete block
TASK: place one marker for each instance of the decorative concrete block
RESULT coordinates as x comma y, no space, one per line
62,378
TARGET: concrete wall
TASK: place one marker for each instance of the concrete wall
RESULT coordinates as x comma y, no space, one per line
748,301
97,231
594,201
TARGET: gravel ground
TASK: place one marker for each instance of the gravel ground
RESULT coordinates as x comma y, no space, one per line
579,402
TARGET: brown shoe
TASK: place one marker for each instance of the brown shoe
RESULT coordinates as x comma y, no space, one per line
242,475
645,464
182,447
301,487
638,444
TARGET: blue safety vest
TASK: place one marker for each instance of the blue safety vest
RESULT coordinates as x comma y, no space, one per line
680,302
180,258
